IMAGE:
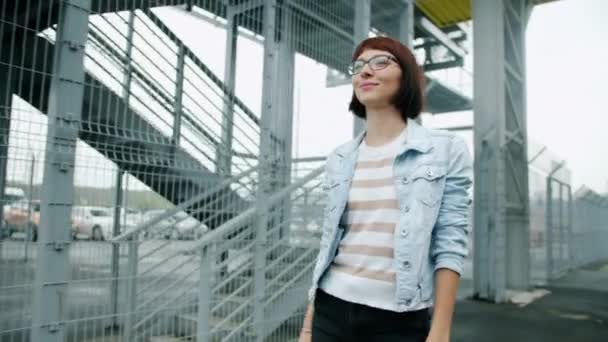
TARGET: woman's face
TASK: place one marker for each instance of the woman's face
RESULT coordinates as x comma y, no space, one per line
376,83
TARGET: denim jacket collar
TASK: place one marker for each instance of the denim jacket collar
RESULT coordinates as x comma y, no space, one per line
418,139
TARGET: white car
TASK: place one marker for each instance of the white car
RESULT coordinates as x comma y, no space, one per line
160,229
95,223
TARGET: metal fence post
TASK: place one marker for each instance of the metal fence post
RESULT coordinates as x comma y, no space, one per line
203,331
6,103
561,226
549,230
570,241
131,314
118,199
116,248
64,113
29,232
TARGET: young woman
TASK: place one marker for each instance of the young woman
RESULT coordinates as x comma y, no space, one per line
395,225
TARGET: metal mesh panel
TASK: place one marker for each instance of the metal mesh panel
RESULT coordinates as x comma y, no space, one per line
551,213
589,232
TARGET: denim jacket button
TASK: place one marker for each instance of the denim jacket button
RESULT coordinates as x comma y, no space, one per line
404,232
406,264
406,208
405,180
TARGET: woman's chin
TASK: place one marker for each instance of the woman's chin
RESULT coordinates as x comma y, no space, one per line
372,101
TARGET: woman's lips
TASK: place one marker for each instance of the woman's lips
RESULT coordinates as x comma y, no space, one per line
367,86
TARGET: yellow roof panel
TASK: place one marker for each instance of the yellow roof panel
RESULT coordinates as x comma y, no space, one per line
445,12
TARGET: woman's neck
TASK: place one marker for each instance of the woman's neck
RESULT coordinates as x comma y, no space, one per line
383,125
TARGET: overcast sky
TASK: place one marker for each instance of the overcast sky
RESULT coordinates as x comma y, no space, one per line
567,85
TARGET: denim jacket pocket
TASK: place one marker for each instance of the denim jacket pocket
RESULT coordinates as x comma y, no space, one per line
429,181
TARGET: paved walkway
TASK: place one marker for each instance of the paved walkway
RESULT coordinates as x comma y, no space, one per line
575,310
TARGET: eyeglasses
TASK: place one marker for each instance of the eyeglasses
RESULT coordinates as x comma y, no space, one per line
376,63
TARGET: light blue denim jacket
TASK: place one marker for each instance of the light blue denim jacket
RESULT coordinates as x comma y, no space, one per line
432,176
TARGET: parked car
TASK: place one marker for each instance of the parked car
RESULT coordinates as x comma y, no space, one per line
95,223
11,194
161,229
130,217
22,216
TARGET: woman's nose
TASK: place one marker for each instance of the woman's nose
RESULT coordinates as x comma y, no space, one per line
366,71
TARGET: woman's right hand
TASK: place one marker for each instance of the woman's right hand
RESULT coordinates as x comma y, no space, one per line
305,336
306,332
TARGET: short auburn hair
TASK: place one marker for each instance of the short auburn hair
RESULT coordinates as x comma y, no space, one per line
409,99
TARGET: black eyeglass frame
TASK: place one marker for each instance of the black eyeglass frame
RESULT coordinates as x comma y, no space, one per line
351,67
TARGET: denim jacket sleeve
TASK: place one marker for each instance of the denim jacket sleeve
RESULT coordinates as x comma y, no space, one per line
449,240
325,235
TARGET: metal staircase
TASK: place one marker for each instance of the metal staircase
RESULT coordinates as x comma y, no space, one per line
135,95
132,121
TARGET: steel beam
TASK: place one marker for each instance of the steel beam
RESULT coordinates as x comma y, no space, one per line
224,155
64,113
502,256
427,26
179,92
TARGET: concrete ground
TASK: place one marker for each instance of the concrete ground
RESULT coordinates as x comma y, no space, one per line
575,310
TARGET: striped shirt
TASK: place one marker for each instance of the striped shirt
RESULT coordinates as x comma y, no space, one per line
363,269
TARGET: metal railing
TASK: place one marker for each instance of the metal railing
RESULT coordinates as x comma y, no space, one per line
219,264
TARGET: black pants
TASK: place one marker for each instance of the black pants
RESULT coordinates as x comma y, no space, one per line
336,320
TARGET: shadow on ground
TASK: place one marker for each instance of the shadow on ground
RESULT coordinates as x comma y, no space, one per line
576,310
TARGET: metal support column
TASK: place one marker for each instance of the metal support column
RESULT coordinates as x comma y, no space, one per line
64,112
406,23
361,30
281,125
406,29
267,146
224,150
502,255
